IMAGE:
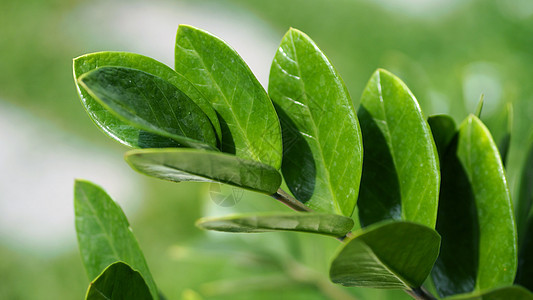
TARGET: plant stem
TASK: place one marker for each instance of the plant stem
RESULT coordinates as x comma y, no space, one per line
288,200
420,294
282,196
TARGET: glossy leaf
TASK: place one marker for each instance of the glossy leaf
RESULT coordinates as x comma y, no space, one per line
327,224
118,282
104,235
322,146
504,293
475,218
524,217
150,104
400,165
391,255
443,129
115,127
198,165
250,126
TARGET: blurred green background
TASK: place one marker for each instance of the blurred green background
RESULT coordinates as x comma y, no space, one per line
449,52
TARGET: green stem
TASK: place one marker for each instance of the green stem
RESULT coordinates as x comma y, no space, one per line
420,294
290,201
282,196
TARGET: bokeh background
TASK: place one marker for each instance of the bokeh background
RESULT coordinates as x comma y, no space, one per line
449,52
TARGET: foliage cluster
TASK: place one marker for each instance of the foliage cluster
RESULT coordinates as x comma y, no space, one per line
410,198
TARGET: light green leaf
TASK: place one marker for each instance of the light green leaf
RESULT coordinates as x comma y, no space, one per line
390,255
250,126
118,282
475,217
198,165
150,104
400,165
327,224
479,106
514,292
322,149
104,235
115,127
524,218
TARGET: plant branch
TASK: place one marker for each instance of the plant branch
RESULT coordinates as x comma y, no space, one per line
282,196
420,294
290,201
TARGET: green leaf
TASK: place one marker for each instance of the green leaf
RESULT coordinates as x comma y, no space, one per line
514,292
525,197
104,235
400,165
390,255
505,141
479,106
322,149
198,165
250,126
524,274
118,282
524,218
443,129
151,104
327,224
115,127
475,217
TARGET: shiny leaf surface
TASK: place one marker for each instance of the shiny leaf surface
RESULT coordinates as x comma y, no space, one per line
150,104
475,218
391,255
104,235
118,282
115,127
322,146
250,126
198,165
327,224
400,165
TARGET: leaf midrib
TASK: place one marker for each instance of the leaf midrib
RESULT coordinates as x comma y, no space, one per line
99,222
237,122
312,121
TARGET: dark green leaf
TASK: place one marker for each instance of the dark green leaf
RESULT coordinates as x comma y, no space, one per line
505,141
115,127
198,165
524,275
119,282
387,255
322,149
475,217
400,164
524,217
250,126
514,292
104,235
327,224
443,129
151,104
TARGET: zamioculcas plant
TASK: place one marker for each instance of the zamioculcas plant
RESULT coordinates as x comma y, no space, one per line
419,204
